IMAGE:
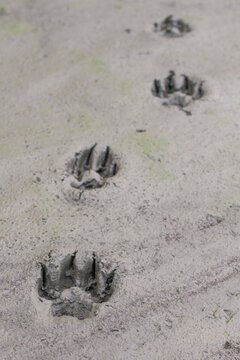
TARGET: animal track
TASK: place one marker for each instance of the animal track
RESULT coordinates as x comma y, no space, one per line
211,221
172,28
75,286
179,91
89,169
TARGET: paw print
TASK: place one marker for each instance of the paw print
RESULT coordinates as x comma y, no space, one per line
172,28
75,287
89,169
211,220
179,91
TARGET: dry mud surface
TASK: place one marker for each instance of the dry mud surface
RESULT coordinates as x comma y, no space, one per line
79,72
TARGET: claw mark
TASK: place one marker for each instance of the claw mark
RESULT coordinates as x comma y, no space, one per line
75,164
169,83
94,266
43,275
109,280
198,91
106,156
157,89
187,85
87,165
105,159
72,260
115,169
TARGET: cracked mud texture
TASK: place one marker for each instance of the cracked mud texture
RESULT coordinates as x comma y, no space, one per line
179,91
172,28
89,169
75,286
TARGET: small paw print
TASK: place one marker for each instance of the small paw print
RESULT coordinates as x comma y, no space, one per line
179,91
172,28
88,169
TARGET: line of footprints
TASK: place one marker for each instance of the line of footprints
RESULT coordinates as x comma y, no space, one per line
75,287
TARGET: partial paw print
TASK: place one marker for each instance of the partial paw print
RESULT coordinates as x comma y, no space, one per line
89,169
75,286
179,91
171,28
234,346
211,220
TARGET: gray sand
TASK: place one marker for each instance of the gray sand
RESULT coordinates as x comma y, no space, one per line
72,76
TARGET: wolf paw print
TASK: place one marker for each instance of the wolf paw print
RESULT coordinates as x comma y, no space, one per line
89,169
171,28
179,91
74,286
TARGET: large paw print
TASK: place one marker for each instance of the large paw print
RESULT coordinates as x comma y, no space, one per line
179,91
75,286
172,28
89,169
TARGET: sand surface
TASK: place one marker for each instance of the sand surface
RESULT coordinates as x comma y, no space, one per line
72,76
